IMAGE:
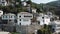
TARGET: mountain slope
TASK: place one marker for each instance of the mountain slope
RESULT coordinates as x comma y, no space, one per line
57,5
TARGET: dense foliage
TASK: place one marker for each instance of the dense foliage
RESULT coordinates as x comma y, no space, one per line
56,5
45,30
51,6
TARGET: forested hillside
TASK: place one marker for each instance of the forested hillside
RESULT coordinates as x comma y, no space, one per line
17,8
51,6
57,5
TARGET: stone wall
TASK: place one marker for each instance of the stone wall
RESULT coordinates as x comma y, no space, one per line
27,29
5,27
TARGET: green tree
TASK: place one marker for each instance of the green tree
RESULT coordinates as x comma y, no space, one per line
39,32
29,1
38,10
45,30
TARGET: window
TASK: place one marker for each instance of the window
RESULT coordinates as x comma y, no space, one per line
38,22
2,0
20,19
9,20
42,17
19,16
27,16
20,23
11,16
3,3
25,20
6,16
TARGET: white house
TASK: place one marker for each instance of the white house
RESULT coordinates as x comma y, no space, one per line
56,26
3,2
34,10
24,3
8,17
43,19
24,18
1,13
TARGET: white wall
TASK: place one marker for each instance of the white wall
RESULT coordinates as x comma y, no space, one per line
46,20
3,4
34,10
1,13
24,20
24,3
41,20
8,16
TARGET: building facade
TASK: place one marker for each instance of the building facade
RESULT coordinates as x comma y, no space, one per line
34,10
56,26
43,19
8,18
3,2
1,13
24,18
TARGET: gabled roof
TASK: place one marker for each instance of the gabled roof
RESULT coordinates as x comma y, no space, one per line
9,14
24,13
